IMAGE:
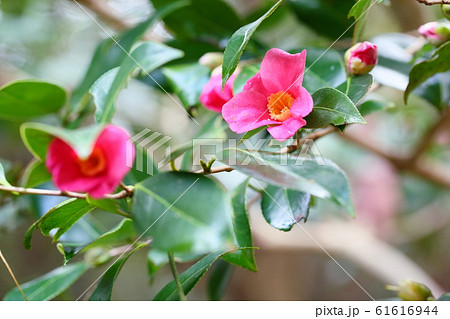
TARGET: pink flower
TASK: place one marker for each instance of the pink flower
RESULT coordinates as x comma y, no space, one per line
213,97
97,175
361,58
435,32
274,97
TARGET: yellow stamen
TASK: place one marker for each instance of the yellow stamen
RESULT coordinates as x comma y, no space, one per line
279,105
94,165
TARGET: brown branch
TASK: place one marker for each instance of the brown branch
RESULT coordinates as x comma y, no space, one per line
215,170
36,191
433,2
111,17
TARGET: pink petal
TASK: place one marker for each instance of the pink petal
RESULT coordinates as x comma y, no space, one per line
213,97
247,111
287,129
303,103
281,70
115,143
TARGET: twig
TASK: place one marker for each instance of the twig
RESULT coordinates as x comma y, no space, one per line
310,137
12,275
36,191
128,189
173,268
433,2
215,170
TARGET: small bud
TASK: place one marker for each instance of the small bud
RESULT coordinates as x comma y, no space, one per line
446,10
435,32
361,58
212,60
409,290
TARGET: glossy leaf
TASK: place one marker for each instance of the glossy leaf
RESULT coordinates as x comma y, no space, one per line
35,174
283,208
201,19
147,57
187,81
182,212
356,87
62,216
37,137
319,177
246,257
332,107
238,42
50,285
324,68
359,12
373,106
326,17
426,69
218,280
252,133
188,279
122,234
26,99
104,289
110,54
3,180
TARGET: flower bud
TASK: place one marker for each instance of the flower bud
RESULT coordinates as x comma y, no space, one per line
409,290
435,32
212,60
446,10
361,58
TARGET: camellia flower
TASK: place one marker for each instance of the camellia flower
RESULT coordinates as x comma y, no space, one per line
97,175
435,32
274,97
213,97
361,58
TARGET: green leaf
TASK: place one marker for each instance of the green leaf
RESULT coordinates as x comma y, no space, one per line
201,20
244,258
356,87
244,75
156,259
188,279
147,57
62,216
115,206
426,69
325,17
332,107
35,174
283,208
252,133
37,138
50,285
359,12
122,234
373,106
238,42
444,297
219,278
110,54
319,177
26,99
193,207
103,291
187,81
3,180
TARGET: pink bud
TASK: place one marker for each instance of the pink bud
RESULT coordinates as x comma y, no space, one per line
361,58
213,96
435,32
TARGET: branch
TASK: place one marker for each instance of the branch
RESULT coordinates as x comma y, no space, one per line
432,2
36,191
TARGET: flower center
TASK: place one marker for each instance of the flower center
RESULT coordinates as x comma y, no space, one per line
93,165
279,105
